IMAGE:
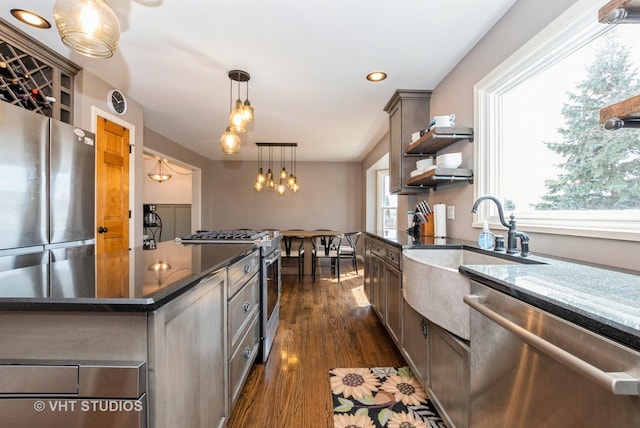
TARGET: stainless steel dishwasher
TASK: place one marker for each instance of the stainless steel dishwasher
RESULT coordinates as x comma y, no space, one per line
73,394
532,369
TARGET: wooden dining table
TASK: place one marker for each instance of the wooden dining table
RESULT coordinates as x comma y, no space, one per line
307,235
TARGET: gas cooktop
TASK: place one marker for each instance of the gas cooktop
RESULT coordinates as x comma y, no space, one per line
224,236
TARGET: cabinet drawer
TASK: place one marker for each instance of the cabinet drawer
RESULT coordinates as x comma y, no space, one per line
378,248
242,307
393,256
242,270
242,360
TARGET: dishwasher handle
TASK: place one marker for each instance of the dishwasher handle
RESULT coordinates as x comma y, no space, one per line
619,383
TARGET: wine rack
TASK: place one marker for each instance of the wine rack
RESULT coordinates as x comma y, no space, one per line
33,77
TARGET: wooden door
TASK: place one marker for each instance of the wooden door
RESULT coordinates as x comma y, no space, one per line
112,210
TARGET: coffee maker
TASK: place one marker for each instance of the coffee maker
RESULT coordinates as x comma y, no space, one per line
150,216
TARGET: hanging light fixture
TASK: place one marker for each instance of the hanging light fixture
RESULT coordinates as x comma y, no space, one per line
160,172
285,179
230,140
260,179
247,109
88,27
237,120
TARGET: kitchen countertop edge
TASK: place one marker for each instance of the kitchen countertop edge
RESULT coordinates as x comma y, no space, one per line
139,304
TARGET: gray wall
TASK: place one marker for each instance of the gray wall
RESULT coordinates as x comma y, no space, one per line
329,197
455,95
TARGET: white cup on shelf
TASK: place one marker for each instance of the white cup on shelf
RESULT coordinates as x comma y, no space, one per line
449,120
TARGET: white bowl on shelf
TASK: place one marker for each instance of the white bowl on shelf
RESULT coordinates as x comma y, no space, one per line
423,164
449,160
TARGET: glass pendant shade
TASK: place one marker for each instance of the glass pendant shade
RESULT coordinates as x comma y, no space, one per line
88,27
284,174
230,142
281,187
247,111
291,181
260,178
159,173
271,183
295,187
236,119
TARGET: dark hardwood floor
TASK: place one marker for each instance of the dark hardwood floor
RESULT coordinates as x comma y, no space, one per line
323,325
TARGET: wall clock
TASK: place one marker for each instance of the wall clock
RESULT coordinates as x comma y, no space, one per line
117,102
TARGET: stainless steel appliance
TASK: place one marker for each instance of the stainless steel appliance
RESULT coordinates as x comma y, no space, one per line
532,369
270,289
72,394
47,205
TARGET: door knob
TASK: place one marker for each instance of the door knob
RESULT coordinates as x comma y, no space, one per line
102,229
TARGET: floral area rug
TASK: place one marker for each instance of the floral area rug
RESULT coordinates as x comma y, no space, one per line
380,397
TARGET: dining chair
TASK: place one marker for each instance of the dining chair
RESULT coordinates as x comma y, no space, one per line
326,247
349,250
293,248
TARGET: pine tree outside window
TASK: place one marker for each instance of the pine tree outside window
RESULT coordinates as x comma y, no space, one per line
541,148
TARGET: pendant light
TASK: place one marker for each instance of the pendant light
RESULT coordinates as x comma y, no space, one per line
230,141
271,183
88,27
285,180
237,120
159,172
247,109
260,179
295,186
282,187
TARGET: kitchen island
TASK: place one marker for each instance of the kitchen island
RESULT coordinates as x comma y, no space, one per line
173,328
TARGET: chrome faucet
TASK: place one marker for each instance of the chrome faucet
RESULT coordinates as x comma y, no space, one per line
512,234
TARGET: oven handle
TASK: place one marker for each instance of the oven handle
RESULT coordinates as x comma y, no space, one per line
272,260
619,383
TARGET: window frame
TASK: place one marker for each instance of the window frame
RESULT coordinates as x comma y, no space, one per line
380,176
575,28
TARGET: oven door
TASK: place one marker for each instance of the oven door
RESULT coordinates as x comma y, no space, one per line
270,301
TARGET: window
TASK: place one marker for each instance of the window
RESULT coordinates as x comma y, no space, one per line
387,206
540,146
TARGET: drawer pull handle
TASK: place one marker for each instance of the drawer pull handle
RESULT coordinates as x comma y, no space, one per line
247,353
246,306
247,268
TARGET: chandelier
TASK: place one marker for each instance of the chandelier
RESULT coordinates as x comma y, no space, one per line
160,172
285,179
239,115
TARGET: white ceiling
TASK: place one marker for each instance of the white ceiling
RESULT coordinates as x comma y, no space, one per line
307,59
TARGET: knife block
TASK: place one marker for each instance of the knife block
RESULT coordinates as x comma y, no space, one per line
427,229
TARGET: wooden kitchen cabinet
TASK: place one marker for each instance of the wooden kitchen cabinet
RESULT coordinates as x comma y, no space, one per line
188,358
393,283
449,376
379,287
415,331
408,113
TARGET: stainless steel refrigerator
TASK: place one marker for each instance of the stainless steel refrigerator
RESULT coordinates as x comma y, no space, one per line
47,206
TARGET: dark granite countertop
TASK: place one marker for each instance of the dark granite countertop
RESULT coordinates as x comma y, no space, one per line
602,300
159,276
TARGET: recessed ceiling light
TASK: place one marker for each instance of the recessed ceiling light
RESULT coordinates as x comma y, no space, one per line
376,76
30,18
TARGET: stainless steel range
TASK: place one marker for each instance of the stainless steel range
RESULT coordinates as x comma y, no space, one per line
271,283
